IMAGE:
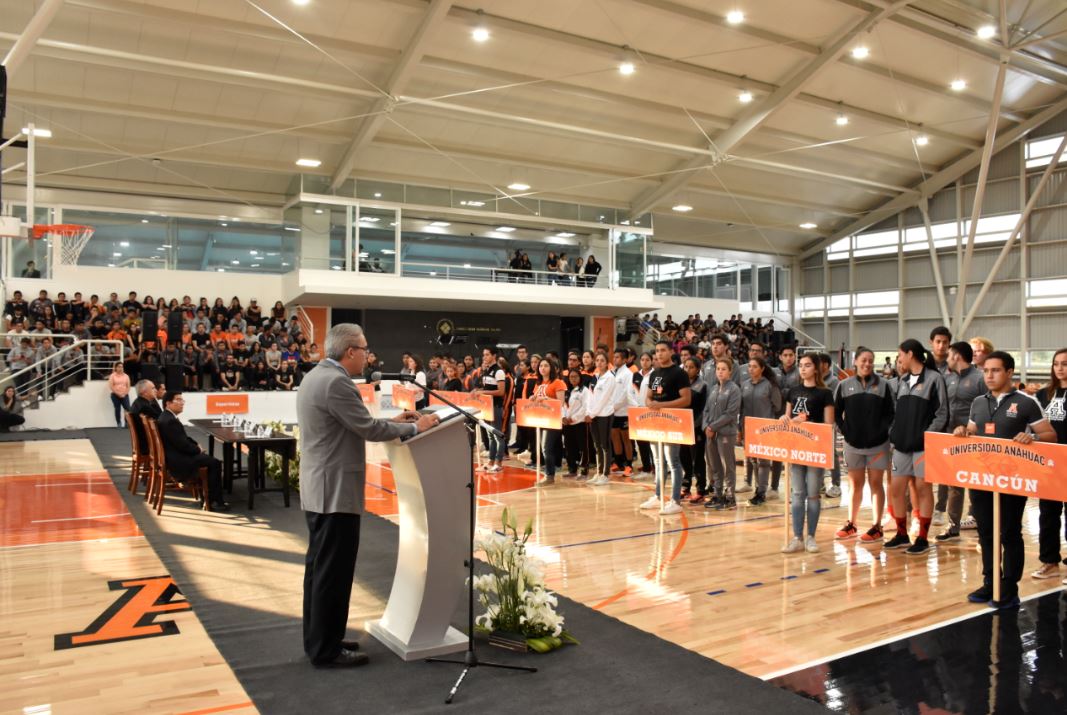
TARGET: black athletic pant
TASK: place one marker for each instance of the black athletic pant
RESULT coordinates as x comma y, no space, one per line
1049,537
9,420
330,564
1011,538
645,450
601,431
574,437
694,465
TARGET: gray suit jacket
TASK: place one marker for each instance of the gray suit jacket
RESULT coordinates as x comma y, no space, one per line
334,426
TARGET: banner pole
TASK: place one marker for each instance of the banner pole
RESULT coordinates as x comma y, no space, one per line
788,495
996,546
538,458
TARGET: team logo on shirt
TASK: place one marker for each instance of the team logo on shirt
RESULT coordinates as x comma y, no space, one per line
1055,410
801,406
1013,410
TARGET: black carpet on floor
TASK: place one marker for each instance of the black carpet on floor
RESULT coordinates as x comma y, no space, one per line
617,669
1012,661
45,434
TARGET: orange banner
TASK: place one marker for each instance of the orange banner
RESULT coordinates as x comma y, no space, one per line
546,414
483,403
403,397
651,424
997,465
366,391
807,443
227,404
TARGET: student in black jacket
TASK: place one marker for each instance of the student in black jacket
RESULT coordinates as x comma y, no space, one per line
921,407
184,455
863,411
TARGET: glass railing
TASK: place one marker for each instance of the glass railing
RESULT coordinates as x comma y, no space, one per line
469,272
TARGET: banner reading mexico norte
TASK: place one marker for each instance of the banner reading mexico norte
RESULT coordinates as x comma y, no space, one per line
652,424
807,443
546,414
482,403
998,465
403,397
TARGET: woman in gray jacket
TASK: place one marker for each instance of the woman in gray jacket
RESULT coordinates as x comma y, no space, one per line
721,411
760,397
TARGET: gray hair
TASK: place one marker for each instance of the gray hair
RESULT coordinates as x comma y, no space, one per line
340,338
143,385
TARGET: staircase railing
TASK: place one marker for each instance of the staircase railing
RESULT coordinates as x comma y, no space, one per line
306,326
81,361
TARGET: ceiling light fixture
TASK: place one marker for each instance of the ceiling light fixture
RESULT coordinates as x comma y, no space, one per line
807,226
124,244
922,140
745,97
627,68
440,224
301,2
519,186
958,85
505,229
309,163
861,52
480,32
564,234
38,132
318,211
986,32
144,220
842,119
735,17
682,208
476,204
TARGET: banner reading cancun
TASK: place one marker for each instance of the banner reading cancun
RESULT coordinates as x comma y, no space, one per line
671,425
997,465
807,443
546,414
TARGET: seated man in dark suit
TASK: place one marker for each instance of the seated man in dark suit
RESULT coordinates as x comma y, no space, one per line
145,404
184,455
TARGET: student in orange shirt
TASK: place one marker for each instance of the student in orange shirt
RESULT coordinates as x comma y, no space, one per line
550,387
235,338
218,334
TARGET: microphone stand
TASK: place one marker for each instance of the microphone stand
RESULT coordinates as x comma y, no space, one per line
470,658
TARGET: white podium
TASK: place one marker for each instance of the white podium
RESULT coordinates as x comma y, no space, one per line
431,471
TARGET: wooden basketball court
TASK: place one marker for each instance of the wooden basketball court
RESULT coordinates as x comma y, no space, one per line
76,569
92,623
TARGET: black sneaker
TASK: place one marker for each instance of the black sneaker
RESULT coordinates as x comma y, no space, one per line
982,595
1004,603
757,499
952,534
713,502
726,505
921,546
899,541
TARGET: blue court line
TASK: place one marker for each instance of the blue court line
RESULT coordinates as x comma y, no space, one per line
757,584
379,486
820,570
668,531
754,585
716,593
787,578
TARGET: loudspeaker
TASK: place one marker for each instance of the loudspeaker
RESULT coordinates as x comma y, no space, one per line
152,372
149,327
173,379
174,328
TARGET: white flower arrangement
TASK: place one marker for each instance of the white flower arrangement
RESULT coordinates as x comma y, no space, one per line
513,594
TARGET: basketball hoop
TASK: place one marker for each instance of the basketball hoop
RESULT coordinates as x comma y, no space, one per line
72,239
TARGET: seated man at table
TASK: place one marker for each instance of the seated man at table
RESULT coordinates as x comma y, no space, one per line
145,404
184,455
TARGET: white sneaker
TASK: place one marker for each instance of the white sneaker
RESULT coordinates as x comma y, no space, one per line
599,481
743,489
810,546
794,546
494,468
546,481
833,491
939,518
651,503
968,523
772,495
671,507
524,454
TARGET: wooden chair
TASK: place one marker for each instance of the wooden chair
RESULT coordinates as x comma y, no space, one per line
141,460
162,479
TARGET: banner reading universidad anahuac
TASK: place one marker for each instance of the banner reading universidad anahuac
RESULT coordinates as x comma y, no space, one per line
807,443
1038,469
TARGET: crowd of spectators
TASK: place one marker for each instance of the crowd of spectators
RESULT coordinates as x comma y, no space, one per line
696,331
225,347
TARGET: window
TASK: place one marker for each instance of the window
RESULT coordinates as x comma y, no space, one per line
1050,293
1039,152
875,244
839,305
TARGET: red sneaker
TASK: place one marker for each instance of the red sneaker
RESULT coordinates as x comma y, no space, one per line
696,498
628,472
848,531
873,535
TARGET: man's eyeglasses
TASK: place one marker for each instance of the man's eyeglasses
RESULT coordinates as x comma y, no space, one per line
359,347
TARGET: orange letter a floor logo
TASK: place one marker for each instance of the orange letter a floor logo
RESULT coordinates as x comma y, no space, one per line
132,615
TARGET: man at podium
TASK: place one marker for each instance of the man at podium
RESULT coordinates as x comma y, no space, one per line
334,427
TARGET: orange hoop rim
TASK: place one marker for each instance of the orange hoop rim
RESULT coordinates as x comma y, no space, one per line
60,229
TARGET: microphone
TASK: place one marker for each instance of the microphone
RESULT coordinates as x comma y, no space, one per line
401,377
